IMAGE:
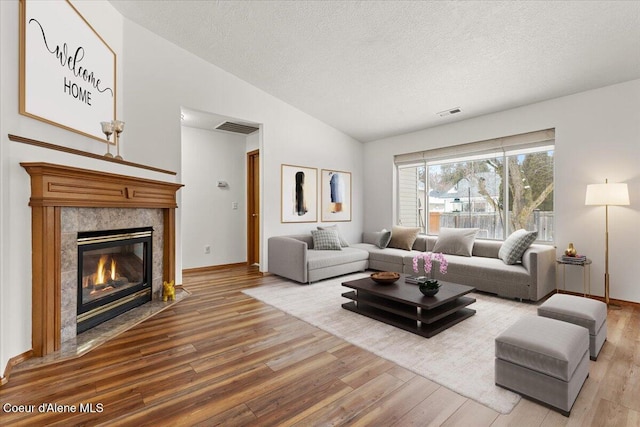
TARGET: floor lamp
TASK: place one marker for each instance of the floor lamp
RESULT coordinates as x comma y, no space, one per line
607,195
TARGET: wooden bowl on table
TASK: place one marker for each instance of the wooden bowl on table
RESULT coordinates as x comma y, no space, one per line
385,277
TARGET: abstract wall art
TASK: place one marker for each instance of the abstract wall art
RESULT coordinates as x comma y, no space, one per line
336,196
299,194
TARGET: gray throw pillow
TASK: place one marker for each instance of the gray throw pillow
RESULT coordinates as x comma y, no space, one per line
343,241
456,241
379,238
516,244
326,240
385,238
403,237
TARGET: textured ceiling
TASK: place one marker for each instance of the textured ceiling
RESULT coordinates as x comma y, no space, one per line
379,68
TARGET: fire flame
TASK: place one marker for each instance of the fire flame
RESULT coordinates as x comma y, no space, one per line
102,274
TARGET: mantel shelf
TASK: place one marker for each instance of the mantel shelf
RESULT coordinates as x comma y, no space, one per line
50,146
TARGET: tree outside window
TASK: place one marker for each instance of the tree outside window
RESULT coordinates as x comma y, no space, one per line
471,193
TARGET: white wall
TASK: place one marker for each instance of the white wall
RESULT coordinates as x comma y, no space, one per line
15,226
155,71
207,214
155,78
597,137
253,142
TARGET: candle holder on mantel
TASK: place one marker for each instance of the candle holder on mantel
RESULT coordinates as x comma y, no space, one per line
107,129
113,127
118,128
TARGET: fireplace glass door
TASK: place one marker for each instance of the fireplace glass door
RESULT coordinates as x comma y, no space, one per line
114,273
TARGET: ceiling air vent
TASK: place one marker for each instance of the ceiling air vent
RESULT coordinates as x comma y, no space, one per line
449,112
237,128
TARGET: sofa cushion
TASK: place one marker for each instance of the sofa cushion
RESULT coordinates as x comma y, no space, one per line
403,237
379,238
317,259
486,248
390,255
485,269
326,240
456,241
512,249
343,242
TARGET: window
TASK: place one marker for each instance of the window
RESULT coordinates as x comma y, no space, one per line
496,191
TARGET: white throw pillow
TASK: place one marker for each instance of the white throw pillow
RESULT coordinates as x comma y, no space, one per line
456,241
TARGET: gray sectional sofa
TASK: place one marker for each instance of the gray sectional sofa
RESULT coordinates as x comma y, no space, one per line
293,257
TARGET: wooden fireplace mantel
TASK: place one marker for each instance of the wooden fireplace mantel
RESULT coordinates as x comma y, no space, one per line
56,186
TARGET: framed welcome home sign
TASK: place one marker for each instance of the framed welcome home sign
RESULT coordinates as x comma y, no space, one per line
67,71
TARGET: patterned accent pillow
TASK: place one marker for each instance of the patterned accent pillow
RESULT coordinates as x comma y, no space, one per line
343,241
326,240
513,248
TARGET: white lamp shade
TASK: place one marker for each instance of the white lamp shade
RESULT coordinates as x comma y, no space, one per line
607,194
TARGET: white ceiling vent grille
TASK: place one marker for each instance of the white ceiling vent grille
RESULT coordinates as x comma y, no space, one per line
237,128
449,112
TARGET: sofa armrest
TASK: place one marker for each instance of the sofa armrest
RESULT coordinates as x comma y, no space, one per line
288,258
540,262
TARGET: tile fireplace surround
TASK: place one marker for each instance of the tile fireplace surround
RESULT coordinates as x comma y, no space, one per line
74,220
65,200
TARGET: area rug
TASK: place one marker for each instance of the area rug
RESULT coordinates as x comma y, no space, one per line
460,358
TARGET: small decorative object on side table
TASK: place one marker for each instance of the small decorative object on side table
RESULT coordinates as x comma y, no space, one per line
571,251
429,287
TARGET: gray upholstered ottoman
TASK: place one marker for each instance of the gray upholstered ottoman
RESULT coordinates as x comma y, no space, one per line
544,359
581,311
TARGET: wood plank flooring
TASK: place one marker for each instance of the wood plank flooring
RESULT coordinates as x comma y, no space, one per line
222,358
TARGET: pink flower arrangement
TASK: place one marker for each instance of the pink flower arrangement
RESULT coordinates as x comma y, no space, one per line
428,258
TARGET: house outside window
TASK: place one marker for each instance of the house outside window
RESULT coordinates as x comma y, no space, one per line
497,191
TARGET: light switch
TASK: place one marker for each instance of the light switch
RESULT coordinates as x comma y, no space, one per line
234,205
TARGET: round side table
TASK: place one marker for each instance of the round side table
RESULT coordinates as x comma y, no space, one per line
586,273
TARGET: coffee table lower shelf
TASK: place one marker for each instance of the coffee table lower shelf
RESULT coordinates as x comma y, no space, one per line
424,323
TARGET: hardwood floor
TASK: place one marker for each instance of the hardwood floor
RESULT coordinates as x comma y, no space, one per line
222,358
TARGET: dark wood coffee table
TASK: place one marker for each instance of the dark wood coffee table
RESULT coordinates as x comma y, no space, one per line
402,305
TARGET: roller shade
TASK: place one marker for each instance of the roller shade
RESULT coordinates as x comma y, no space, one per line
521,142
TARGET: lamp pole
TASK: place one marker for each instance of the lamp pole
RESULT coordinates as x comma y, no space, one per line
604,195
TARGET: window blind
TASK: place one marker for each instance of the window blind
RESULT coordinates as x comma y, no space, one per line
520,142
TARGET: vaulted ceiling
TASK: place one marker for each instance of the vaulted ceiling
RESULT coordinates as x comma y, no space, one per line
374,69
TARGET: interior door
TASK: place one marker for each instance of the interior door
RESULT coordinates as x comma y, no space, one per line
253,207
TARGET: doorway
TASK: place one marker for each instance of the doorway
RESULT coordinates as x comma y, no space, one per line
253,207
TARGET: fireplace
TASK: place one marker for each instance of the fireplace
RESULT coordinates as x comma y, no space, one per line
114,273
65,201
